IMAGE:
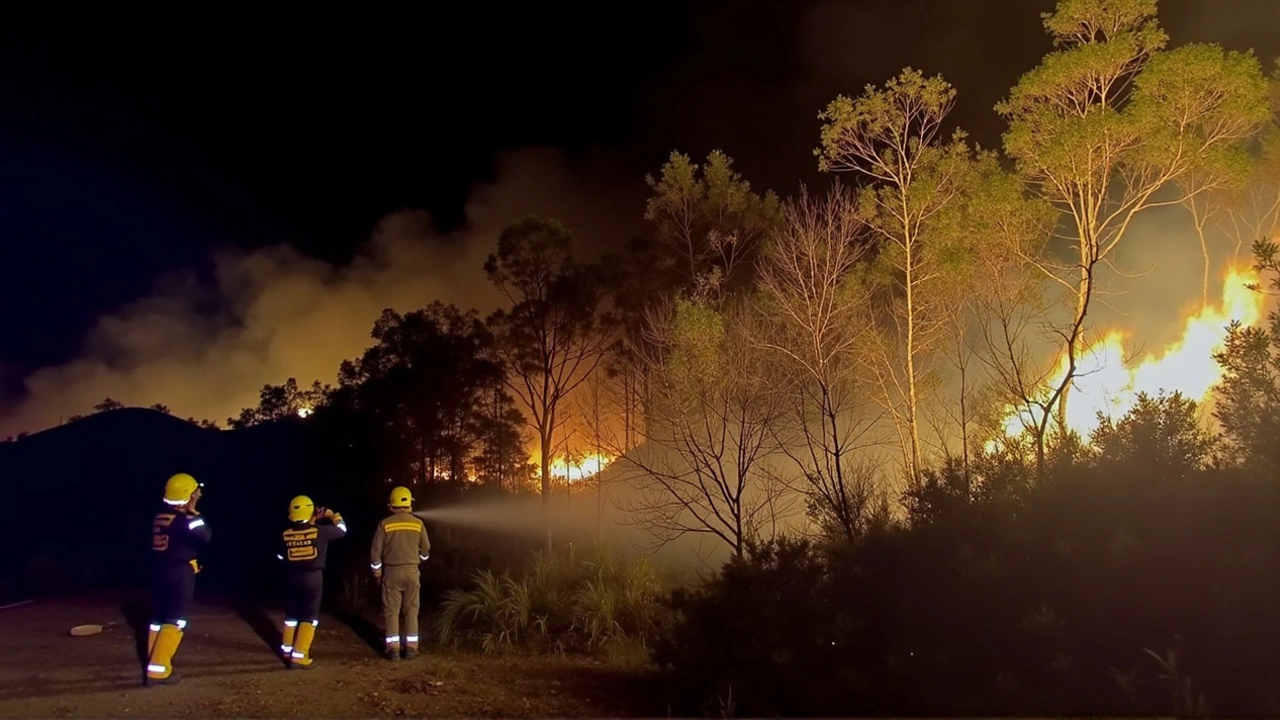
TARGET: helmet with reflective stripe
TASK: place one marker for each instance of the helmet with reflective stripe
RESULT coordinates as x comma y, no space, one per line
301,509
401,498
179,489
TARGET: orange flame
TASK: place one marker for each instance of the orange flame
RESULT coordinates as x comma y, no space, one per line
1105,383
581,468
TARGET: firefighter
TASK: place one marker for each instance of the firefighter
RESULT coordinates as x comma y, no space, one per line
178,532
400,543
305,544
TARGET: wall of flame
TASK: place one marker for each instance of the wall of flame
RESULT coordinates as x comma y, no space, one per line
1108,379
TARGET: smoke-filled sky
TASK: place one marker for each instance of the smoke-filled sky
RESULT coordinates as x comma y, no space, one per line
204,348
196,202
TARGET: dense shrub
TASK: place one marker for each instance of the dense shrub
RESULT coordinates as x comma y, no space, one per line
765,627
593,600
1134,577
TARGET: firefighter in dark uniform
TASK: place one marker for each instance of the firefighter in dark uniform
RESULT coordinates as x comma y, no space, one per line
305,544
400,544
178,532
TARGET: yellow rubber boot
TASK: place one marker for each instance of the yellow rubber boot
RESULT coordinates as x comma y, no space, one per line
160,665
287,636
153,631
301,655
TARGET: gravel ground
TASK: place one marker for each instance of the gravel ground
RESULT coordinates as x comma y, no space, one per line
229,670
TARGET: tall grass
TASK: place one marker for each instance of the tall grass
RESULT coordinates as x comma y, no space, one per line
591,601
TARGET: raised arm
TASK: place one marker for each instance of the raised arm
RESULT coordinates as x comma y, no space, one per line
338,528
199,530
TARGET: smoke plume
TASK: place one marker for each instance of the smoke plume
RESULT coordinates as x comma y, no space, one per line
205,348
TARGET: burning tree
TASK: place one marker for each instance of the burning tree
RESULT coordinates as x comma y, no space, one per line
1105,123
553,336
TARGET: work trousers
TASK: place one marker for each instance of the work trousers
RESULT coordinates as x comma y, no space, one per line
302,595
173,587
400,593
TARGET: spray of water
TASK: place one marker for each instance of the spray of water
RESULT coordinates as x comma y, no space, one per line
509,516
680,561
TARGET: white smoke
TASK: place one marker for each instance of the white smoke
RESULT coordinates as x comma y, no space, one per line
278,314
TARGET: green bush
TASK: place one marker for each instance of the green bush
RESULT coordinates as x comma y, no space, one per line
594,601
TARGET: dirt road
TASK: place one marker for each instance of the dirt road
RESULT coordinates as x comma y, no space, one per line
229,670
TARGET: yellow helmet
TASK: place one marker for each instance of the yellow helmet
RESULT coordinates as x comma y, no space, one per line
301,509
179,489
401,498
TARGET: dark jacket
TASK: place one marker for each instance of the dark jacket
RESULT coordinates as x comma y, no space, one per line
177,537
304,545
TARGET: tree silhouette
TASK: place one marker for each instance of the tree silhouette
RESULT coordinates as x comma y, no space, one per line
433,384
108,405
553,336
281,401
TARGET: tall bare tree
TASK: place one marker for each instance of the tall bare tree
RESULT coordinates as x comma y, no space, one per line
892,137
708,436
813,302
553,336
1106,122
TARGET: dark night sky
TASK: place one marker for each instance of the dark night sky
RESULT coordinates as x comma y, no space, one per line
133,141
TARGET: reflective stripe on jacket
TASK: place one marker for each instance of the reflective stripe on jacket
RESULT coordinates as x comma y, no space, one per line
400,539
